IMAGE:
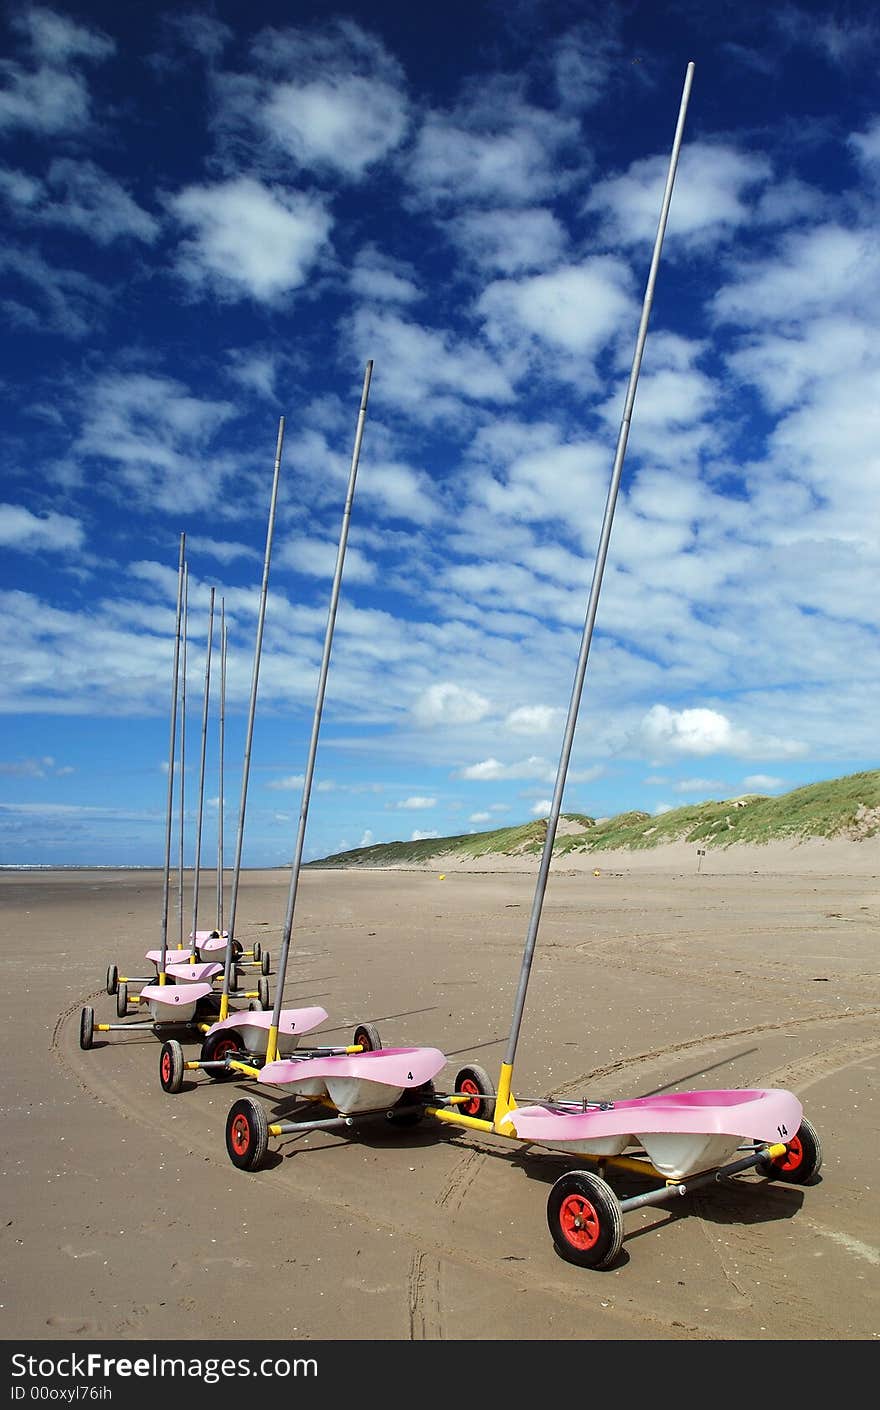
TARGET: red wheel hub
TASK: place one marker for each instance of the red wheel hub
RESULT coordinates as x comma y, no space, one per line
240,1135
794,1154
166,1067
579,1222
473,1106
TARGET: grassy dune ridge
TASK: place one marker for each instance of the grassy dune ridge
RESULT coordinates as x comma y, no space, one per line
846,807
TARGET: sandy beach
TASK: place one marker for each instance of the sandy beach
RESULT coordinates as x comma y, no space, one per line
124,1218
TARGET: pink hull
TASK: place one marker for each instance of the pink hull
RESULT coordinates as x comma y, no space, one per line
681,1132
357,1082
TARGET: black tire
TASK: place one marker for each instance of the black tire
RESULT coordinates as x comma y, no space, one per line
254,1006
86,1028
112,979
247,1134
263,993
171,1066
216,1046
585,1220
366,1036
476,1081
233,979
423,1095
265,963
802,1160
258,950
122,1000
237,950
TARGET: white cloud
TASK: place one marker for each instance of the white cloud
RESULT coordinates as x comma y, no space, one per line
817,272
330,99
480,817
317,558
29,533
82,197
488,770
866,145
429,373
494,147
578,309
422,836
288,782
534,719
542,809
51,96
343,122
249,240
153,436
397,491
585,58
701,731
374,276
222,550
541,484
446,703
257,371
417,804
714,187
67,301
32,768
839,38
366,840
762,783
509,241
698,785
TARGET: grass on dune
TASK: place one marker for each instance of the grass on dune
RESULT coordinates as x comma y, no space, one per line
841,807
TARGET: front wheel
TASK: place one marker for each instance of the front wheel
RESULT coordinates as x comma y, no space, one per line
265,963
263,993
122,1000
217,1046
802,1159
475,1082
86,1028
171,1066
247,1134
258,950
112,979
585,1220
366,1036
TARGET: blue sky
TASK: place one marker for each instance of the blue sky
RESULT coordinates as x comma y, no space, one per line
214,216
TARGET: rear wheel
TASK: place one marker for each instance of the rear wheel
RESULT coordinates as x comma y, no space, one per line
263,993
122,1000
112,979
86,1028
585,1220
233,979
247,1134
802,1159
476,1083
266,963
217,1046
409,1109
366,1036
236,949
258,950
171,1066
